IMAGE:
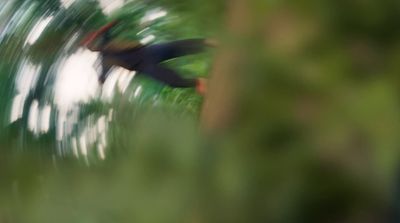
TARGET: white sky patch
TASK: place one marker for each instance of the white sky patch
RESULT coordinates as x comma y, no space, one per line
108,89
137,91
66,120
143,30
17,108
102,130
100,151
147,39
61,119
67,3
125,79
27,77
76,83
93,134
25,81
33,117
108,6
83,145
74,145
45,115
152,15
38,29
101,124
77,80
39,119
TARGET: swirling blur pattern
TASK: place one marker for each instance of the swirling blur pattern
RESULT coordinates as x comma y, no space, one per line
49,89
299,125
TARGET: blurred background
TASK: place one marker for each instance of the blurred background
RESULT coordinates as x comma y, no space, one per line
299,123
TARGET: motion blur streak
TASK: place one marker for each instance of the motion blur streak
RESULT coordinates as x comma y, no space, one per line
55,79
25,82
38,29
300,121
76,80
109,6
